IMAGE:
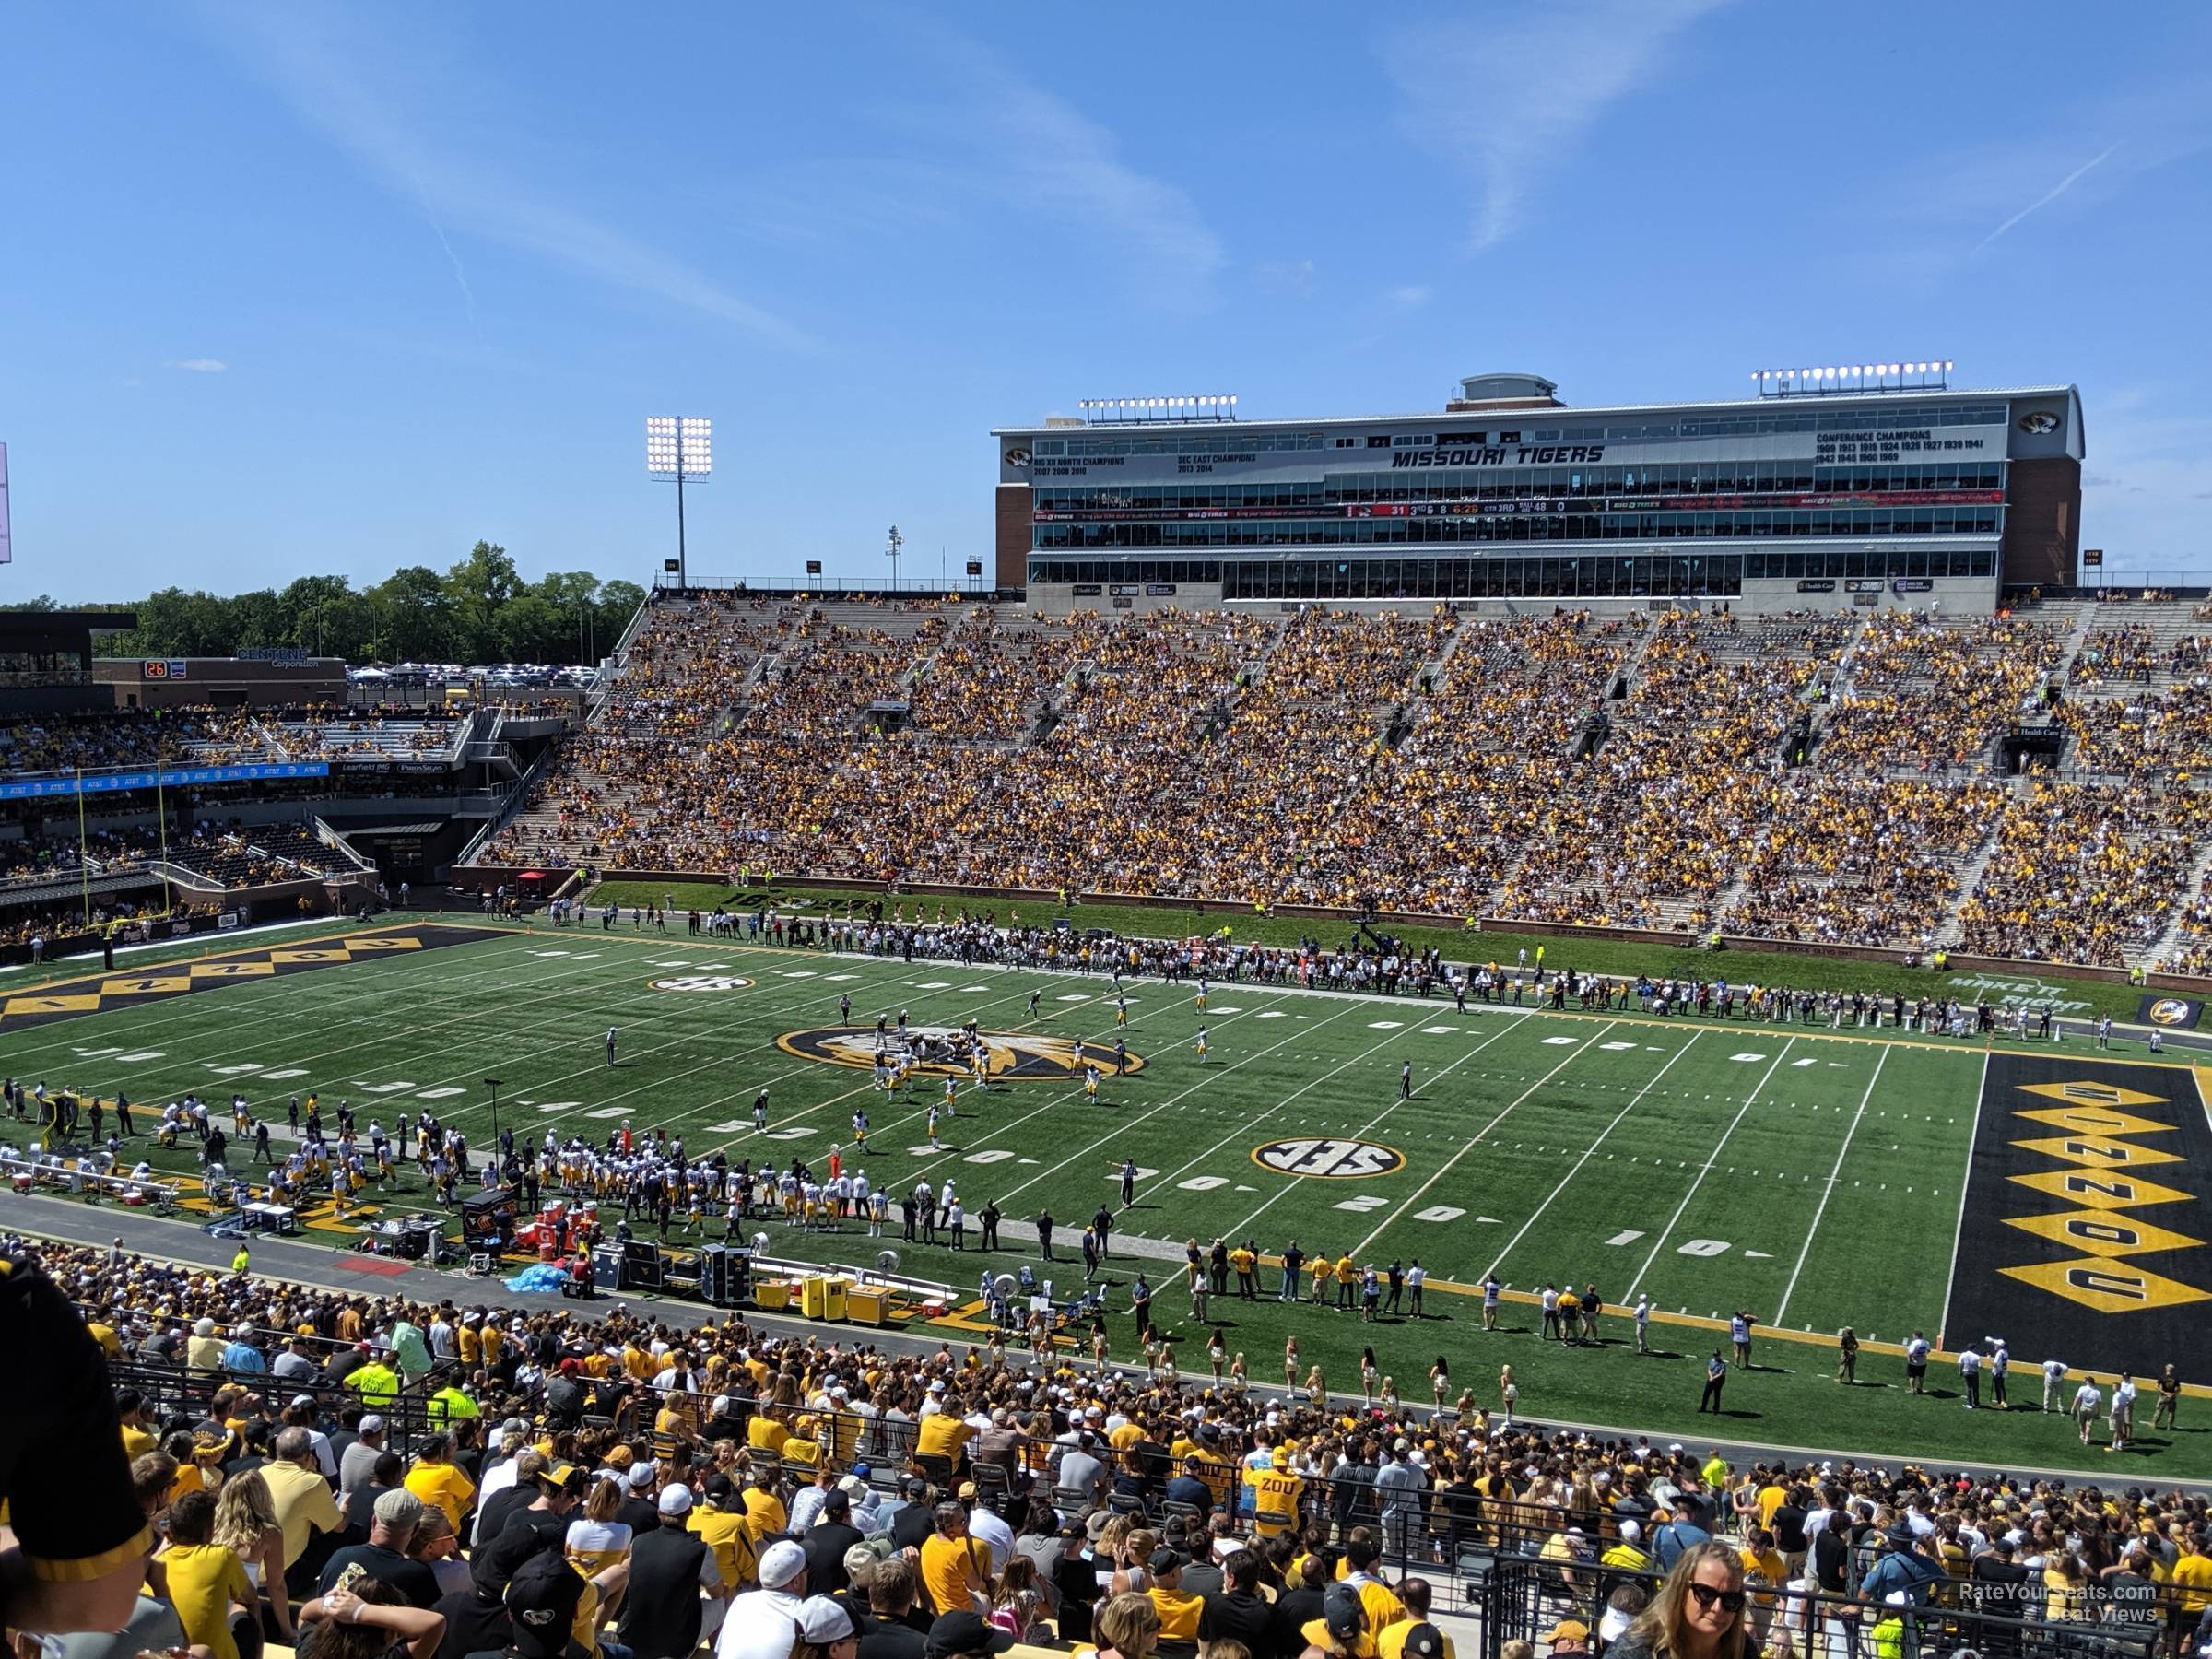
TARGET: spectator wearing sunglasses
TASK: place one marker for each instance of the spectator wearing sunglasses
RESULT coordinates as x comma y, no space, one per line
1696,1614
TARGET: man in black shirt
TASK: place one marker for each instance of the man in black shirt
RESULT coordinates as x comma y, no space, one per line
475,1619
669,1566
1239,1612
360,1505
914,1525
637,1511
826,1542
894,1629
542,1600
384,1557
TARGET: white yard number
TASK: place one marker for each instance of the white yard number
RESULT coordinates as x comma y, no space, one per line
1365,1202
1439,1212
996,1155
1703,1247
1203,1184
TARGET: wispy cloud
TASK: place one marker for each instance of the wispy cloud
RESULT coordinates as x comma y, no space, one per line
1409,296
199,365
2048,196
1284,276
998,133
1505,94
390,114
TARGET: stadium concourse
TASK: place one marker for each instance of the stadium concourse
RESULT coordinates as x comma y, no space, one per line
1806,778
468,1475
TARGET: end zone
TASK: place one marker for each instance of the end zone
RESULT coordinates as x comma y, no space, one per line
2088,1228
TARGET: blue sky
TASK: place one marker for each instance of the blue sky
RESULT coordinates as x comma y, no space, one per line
291,288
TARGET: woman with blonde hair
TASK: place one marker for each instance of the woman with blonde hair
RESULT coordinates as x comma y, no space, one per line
1290,1363
246,1524
1317,1390
1127,1627
1508,1391
1696,1614
595,1540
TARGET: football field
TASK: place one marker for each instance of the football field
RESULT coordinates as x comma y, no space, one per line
1817,1179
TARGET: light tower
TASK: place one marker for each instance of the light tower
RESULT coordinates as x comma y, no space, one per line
679,447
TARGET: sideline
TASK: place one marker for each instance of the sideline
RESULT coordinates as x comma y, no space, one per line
57,1219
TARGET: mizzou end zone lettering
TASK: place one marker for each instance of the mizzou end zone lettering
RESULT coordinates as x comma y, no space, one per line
2085,1210
102,993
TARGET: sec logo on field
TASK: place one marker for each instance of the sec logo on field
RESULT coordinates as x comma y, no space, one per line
698,982
1329,1160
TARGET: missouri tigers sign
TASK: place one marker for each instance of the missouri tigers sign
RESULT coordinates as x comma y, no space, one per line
942,1050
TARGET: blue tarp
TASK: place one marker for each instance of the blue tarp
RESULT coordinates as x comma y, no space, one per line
543,1277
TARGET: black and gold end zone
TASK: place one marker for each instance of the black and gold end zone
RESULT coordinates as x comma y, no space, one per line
105,992
2086,1234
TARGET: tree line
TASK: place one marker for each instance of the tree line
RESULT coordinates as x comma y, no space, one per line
479,610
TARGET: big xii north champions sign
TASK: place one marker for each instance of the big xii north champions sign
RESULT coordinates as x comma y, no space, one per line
939,1050
2087,1231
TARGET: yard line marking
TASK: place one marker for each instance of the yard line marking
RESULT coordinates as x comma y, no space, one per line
1965,1179
1350,1005
1821,1208
1293,1183
1469,1146
1706,1168
1593,1146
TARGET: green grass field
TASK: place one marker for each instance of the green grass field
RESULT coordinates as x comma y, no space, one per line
1811,1177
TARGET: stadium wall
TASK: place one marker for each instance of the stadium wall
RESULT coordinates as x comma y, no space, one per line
483,878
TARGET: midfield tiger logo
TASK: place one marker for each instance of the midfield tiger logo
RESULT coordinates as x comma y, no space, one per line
941,1051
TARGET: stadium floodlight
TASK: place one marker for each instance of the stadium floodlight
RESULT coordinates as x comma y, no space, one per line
679,447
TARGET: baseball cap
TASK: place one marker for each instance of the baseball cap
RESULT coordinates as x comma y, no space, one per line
1341,1611
1164,1561
1424,1641
542,1598
372,1424
823,1621
963,1633
641,1475
565,1478
675,1500
399,1507
1567,1629
780,1563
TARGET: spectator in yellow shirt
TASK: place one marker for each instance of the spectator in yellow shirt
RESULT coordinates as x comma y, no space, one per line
435,1479
205,1581
1178,1608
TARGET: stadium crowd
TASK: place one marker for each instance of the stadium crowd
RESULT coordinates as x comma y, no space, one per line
545,1482
1808,777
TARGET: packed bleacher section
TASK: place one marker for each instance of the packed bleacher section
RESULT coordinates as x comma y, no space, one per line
1814,777
517,1479
114,738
